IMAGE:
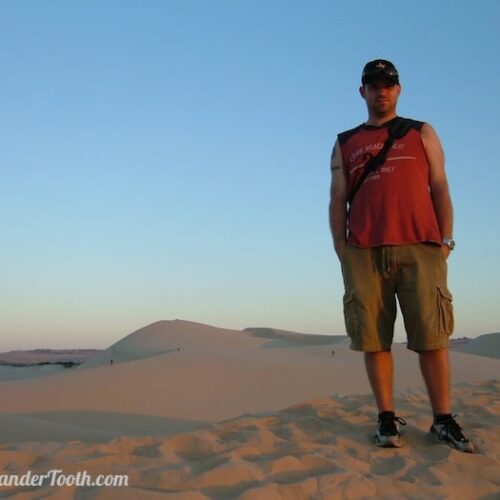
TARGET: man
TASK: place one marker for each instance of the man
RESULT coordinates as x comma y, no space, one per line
392,234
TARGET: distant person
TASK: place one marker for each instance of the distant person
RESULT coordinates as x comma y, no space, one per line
392,233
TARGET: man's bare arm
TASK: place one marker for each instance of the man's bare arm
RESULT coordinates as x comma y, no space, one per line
438,183
338,203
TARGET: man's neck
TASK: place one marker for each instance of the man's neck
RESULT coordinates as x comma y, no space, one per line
376,121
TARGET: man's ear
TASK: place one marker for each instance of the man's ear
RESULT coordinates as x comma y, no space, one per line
362,91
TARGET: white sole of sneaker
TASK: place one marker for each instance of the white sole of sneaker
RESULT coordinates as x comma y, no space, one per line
435,439
388,442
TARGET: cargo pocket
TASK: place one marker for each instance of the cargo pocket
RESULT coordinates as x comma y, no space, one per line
445,311
351,315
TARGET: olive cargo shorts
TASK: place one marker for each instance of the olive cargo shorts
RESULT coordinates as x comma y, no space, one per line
416,275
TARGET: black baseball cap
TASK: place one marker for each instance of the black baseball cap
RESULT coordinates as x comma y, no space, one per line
380,69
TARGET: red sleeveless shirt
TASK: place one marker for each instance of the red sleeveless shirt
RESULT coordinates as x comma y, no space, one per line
394,205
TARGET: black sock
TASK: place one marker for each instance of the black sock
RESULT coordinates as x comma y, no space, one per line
439,419
385,415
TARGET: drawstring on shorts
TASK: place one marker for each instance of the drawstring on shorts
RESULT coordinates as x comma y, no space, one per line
387,262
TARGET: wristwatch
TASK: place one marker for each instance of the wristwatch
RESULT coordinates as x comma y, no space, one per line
449,242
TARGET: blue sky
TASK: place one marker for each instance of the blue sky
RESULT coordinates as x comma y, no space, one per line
170,159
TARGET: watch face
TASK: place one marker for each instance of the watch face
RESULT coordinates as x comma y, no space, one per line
449,243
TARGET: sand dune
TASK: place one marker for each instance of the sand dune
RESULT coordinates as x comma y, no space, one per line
261,413
217,374
487,345
164,337
285,338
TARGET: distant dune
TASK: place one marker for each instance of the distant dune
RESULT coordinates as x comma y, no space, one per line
164,337
487,345
284,338
186,370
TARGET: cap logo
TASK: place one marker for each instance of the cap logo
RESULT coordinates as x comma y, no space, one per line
380,69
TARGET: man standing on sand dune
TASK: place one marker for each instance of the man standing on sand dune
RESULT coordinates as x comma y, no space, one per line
392,232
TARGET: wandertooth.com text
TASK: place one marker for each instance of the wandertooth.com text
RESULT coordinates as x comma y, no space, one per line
55,477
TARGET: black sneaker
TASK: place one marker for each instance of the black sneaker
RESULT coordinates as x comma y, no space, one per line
388,430
450,432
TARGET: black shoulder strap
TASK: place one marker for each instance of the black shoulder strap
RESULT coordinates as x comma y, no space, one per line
397,129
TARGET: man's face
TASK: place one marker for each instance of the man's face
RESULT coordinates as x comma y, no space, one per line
381,97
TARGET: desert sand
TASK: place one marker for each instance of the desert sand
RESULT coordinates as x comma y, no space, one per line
192,411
